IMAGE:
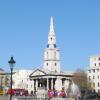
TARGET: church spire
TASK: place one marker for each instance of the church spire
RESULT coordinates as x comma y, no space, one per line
52,54
51,26
51,35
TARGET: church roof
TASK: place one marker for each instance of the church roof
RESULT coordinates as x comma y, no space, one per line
43,72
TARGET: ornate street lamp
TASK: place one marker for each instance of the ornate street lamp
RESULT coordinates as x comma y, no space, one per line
11,64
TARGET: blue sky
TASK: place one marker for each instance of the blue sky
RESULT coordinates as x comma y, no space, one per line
24,27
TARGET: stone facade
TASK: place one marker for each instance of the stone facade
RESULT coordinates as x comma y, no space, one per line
21,80
94,73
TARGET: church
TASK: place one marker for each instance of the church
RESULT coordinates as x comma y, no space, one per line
50,75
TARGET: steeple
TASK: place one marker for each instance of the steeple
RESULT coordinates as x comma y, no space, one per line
51,35
52,53
51,26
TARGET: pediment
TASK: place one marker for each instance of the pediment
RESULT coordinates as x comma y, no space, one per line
37,72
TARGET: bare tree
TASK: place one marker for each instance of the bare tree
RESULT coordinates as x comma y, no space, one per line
80,78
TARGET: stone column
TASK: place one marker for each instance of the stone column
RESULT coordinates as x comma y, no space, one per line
54,83
36,85
51,83
47,83
58,84
63,82
33,85
66,85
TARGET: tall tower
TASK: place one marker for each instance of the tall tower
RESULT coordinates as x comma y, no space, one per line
52,53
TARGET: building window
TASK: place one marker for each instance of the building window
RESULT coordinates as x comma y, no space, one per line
93,77
99,90
97,70
94,70
55,64
89,71
94,85
54,45
95,64
98,58
99,64
89,84
98,84
47,64
98,76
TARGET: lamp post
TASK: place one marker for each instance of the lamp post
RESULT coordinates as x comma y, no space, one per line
11,64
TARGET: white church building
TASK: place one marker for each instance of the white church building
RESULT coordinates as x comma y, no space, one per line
50,75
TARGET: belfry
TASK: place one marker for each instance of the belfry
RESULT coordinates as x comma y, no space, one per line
50,75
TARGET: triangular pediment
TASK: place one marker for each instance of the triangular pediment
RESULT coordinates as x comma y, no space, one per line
38,72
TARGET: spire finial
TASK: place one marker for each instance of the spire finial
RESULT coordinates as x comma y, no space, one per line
51,25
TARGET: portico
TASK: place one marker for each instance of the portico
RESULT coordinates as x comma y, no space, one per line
50,82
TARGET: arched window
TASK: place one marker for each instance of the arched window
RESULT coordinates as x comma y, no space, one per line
47,64
98,84
55,64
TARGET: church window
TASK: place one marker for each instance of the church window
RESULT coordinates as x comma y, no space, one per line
54,45
48,46
47,64
98,84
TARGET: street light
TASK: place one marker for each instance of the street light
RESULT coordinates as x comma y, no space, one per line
11,64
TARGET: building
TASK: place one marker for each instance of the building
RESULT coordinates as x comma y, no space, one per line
21,80
4,81
50,75
94,73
